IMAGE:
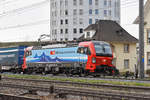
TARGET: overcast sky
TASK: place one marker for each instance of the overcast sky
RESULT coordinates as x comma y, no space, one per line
31,19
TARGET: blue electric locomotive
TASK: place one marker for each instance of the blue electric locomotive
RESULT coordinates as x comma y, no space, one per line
11,58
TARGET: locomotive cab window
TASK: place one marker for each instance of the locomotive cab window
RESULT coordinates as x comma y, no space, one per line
103,49
28,53
84,50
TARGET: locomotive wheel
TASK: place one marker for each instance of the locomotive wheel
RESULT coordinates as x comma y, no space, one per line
67,72
54,71
109,72
82,73
43,73
116,72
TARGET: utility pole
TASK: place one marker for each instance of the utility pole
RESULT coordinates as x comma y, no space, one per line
141,38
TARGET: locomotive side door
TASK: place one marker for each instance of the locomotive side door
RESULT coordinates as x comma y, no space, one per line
80,50
83,55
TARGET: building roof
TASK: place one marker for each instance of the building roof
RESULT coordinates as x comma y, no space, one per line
146,10
110,31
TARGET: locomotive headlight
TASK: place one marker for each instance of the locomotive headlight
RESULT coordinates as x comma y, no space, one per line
104,60
93,60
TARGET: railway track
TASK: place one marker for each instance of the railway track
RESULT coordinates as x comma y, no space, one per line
109,78
12,97
81,92
80,89
79,84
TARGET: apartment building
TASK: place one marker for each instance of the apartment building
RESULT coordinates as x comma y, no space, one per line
70,17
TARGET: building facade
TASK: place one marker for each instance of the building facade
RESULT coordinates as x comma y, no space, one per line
70,17
146,34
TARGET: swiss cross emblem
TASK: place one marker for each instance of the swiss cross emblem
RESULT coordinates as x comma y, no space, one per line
52,52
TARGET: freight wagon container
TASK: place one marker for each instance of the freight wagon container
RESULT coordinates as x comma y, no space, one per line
11,58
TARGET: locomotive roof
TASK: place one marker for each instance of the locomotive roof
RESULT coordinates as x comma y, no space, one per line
101,42
66,45
51,46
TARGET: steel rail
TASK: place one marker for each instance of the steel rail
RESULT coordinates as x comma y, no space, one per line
83,84
80,92
14,97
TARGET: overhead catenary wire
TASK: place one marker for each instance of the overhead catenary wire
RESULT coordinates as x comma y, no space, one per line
8,2
38,22
123,5
31,24
126,3
23,9
26,24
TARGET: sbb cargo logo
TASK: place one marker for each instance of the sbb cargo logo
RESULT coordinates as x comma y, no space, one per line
52,52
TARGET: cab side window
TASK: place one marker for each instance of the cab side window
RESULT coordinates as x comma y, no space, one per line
84,50
28,53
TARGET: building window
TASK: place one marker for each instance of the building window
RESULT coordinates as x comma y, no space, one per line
75,30
110,3
55,13
96,20
61,39
61,2
105,2
74,21
61,31
66,2
55,4
90,11
81,11
126,63
126,48
81,2
66,21
90,21
148,58
74,2
66,31
88,34
96,11
81,21
96,2
66,39
61,22
105,13
148,36
81,30
52,4
74,38
109,12
66,12
90,2
55,32
61,12
75,12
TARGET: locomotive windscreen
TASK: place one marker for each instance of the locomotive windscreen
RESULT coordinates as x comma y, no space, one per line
103,49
